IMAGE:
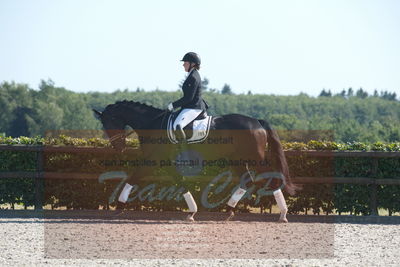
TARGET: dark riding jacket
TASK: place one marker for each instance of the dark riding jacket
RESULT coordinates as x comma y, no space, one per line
191,93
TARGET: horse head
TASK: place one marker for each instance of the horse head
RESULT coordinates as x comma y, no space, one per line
116,117
97,113
114,127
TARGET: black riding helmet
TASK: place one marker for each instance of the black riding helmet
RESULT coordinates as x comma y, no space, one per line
192,57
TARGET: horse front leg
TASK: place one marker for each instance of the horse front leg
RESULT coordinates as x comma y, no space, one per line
122,199
124,195
191,205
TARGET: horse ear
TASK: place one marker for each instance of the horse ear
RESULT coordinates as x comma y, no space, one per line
97,113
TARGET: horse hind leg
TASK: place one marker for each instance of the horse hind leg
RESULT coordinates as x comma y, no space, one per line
280,201
231,204
240,192
275,186
231,212
236,197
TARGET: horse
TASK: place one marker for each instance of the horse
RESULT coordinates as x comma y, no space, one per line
249,137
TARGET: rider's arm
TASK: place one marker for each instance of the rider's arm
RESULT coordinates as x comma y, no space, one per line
189,90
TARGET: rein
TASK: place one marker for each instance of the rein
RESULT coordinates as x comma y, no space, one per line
164,114
159,115
123,135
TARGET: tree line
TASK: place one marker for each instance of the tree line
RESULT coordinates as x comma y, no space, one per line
349,116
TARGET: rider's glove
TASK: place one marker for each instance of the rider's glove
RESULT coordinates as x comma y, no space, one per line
170,107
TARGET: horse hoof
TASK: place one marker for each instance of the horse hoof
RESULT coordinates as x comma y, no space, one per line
118,213
283,220
231,214
189,219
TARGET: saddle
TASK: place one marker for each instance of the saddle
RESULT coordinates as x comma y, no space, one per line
196,131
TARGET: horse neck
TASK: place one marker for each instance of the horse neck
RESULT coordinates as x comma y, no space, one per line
156,126
139,114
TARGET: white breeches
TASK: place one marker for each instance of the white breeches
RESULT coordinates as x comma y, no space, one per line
186,116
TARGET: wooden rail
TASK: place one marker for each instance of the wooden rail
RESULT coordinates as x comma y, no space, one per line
39,174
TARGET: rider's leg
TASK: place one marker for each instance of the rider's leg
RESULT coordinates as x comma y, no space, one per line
183,119
180,133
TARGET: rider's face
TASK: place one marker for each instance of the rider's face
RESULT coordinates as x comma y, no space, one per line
186,65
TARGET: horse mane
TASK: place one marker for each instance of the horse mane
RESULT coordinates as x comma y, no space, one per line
136,107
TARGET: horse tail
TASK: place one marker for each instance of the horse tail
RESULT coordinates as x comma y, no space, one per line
275,147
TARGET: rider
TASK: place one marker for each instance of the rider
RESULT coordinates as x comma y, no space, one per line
191,104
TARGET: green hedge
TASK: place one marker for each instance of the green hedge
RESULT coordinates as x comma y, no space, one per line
92,194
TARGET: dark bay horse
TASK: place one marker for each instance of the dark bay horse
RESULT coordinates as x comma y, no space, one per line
247,142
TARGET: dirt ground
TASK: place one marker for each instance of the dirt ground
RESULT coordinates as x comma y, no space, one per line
172,242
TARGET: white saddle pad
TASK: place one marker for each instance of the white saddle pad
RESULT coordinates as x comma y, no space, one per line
201,129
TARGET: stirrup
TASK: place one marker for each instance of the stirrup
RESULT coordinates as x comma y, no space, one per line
180,134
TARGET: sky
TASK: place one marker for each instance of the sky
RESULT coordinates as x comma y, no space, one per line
283,47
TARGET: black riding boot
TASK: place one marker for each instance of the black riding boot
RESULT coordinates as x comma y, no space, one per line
180,134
